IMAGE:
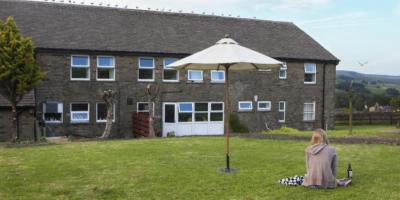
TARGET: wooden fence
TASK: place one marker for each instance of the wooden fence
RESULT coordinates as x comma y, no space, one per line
369,118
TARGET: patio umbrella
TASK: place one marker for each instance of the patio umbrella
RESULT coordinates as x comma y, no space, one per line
228,55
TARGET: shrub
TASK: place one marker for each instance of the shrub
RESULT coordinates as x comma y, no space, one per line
236,126
283,129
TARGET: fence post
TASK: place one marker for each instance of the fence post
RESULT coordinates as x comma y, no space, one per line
369,118
391,118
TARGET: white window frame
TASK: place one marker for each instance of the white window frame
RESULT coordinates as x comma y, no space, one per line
283,68
195,80
216,80
216,111
204,112
144,111
97,113
192,112
313,72
60,106
167,68
282,110
313,112
153,68
80,66
72,112
264,109
105,67
245,109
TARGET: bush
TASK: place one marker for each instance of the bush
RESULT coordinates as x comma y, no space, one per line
283,129
236,126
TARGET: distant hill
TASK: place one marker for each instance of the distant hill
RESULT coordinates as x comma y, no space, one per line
367,77
369,88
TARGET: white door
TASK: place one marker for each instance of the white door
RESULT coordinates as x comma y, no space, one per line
189,118
169,118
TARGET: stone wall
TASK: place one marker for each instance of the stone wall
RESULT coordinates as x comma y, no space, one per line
244,85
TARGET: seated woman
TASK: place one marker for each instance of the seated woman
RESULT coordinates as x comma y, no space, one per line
320,162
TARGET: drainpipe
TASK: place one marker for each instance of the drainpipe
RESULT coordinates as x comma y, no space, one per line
323,95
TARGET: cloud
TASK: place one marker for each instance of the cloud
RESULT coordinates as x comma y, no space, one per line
289,5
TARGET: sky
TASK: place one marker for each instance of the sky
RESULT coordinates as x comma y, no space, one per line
363,34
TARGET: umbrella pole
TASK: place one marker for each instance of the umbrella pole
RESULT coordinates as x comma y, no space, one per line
227,116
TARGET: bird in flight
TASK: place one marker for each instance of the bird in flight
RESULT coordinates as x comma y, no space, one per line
362,63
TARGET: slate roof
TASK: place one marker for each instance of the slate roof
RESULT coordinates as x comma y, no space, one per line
27,101
79,27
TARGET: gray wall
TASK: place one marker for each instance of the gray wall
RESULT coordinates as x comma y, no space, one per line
25,121
244,85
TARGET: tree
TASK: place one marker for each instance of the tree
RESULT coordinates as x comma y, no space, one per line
152,92
395,104
19,72
108,98
392,92
350,94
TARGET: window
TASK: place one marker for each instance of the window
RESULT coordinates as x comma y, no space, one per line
101,112
309,111
105,68
310,71
143,107
195,75
217,112
53,112
264,105
217,76
281,111
146,69
170,75
80,67
245,105
79,112
185,111
283,71
201,112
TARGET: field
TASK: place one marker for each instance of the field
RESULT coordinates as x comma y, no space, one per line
381,131
187,168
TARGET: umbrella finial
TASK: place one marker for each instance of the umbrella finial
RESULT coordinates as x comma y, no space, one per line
227,36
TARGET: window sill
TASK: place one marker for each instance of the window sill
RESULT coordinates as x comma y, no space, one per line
310,83
81,122
104,121
145,80
53,122
189,81
218,82
264,110
106,80
79,79
171,81
280,121
311,121
282,78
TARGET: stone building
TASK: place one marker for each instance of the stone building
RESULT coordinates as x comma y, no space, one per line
88,49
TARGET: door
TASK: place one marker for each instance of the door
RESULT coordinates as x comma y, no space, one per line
169,118
204,118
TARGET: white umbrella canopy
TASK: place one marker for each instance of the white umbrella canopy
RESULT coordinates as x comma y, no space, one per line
227,55
226,52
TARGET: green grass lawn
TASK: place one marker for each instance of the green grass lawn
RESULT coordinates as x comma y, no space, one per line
186,168
385,131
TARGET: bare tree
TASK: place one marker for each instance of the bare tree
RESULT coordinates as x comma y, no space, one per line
152,92
108,98
350,94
